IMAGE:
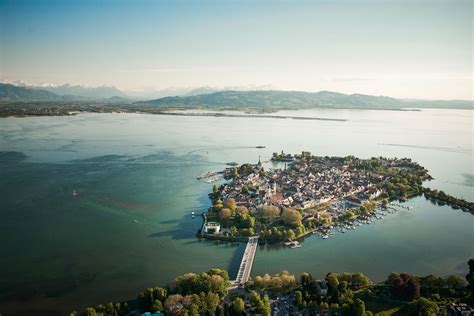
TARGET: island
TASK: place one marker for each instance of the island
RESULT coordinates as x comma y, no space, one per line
309,194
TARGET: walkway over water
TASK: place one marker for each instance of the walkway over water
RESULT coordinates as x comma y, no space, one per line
247,261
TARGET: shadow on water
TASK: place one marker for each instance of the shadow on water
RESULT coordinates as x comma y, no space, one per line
235,262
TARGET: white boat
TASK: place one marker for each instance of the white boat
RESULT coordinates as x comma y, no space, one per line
74,193
325,236
192,213
292,244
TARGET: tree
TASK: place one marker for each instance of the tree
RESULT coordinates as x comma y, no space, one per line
425,307
174,304
324,306
299,298
90,311
405,287
238,306
230,204
310,285
291,217
224,215
332,280
470,276
269,213
214,188
156,306
359,307
212,301
289,234
242,210
360,280
456,282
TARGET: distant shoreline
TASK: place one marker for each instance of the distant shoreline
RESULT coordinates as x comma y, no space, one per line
252,116
32,109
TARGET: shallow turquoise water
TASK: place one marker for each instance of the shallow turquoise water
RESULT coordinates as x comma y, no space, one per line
130,226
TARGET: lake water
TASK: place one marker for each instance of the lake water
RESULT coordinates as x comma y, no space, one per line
130,225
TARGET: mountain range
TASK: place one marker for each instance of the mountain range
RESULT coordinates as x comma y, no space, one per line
212,98
14,93
277,99
102,92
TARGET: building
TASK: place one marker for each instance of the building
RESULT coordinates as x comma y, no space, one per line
211,228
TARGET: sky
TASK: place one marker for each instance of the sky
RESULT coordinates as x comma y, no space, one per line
406,49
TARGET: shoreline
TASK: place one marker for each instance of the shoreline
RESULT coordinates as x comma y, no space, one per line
51,110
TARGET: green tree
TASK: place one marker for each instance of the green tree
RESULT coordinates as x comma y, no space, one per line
359,307
299,298
238,306
156,306
90,311
323,306
424,307
456,282
332,280
470,276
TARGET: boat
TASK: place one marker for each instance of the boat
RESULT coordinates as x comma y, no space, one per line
135,221
292,244
192,213
260,147
232,163
74,193
325,236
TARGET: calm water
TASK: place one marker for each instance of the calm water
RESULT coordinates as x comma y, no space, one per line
130,225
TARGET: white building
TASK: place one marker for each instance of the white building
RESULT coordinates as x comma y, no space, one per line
212,228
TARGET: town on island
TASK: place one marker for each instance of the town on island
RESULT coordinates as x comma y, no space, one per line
312,195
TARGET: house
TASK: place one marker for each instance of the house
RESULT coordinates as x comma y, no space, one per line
460,309
211,228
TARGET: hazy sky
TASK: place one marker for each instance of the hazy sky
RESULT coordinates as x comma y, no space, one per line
413,49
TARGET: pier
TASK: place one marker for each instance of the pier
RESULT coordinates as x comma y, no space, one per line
247,261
